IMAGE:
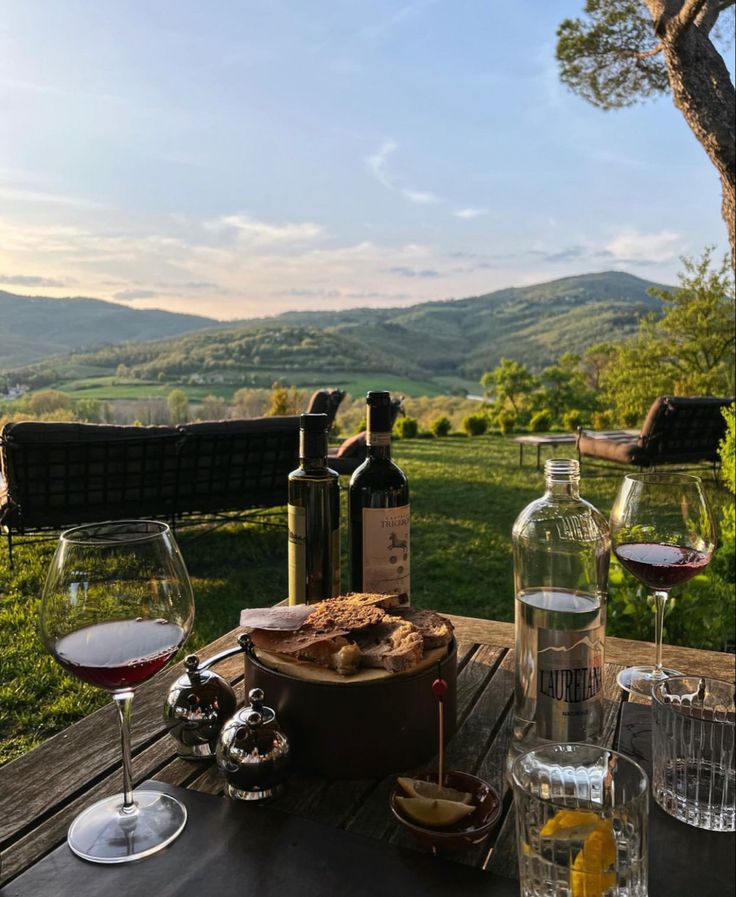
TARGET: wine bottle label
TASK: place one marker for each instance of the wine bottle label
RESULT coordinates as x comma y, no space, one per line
379,439
386,550
297,554
569,681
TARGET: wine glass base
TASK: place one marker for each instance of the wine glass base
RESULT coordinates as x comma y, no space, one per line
102,834
641,680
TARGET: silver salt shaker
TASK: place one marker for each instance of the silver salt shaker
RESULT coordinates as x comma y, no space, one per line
197,705
253,752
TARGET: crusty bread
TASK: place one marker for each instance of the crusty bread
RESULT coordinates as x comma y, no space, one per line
436,630
375,599
338,614
394,644
355,630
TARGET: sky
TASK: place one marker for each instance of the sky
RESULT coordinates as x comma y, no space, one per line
237,159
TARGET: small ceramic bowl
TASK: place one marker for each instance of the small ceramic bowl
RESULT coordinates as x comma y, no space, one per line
469,831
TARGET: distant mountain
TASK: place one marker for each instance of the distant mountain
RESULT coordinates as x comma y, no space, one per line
533,324
34,327
450,339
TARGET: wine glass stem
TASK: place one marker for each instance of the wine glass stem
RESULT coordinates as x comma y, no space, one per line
660,599
124,702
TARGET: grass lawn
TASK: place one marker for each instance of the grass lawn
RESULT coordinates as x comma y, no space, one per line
465,494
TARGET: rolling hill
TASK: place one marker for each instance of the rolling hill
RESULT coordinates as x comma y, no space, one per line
34,327
433,343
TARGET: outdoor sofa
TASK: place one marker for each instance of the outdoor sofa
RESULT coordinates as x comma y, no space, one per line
676,430
56,475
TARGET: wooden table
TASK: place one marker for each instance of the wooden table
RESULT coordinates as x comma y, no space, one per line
539,441
42,791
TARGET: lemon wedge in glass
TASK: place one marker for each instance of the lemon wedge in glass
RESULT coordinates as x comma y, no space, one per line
420,788
433,813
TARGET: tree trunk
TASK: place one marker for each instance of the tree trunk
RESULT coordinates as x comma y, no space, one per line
703,92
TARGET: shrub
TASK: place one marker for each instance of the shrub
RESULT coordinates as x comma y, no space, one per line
506,421
602,420
540,421
572,419
475,424
406,427
441,426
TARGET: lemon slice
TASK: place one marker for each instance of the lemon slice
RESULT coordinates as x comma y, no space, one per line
592,874
568,825
433,813
420,788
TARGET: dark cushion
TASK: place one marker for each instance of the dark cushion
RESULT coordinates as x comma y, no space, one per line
353,447
234,464
622,450
676,430
682,429
326,401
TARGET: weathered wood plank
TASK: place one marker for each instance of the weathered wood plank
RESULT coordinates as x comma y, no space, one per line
693,661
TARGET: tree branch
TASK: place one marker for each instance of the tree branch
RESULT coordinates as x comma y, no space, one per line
644,54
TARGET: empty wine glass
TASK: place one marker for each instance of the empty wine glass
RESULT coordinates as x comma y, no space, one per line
663,533
116,606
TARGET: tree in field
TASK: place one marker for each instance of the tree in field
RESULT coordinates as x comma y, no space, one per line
213,408
49,401
510,382
563,387
689,350
178,406
624,51
283,399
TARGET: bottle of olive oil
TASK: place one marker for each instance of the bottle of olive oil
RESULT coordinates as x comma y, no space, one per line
314,518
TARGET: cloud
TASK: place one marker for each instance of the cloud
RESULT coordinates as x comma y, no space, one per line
29,280
377,165
470,213
249,229
634,247
420,196
413,272
59,199
377,162
130,295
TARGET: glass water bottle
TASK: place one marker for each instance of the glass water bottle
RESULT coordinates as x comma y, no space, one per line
562,550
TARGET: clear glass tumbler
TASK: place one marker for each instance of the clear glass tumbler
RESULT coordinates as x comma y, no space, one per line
694,774
581,822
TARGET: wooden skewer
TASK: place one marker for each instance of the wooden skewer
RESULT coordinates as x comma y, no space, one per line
441,765
439,688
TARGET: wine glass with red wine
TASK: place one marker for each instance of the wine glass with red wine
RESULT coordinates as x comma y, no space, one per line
116,606
663,533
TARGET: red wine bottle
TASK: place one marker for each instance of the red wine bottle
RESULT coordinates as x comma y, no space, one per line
378,509
314,518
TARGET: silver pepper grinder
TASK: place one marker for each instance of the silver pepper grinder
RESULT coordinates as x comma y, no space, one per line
253,752
197,705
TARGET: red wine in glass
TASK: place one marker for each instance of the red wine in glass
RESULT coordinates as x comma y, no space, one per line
116,606
120,654
660,565
663,533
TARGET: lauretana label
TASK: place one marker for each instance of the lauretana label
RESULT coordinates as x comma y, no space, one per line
569,682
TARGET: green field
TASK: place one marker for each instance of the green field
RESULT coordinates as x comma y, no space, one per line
109,388
465,496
